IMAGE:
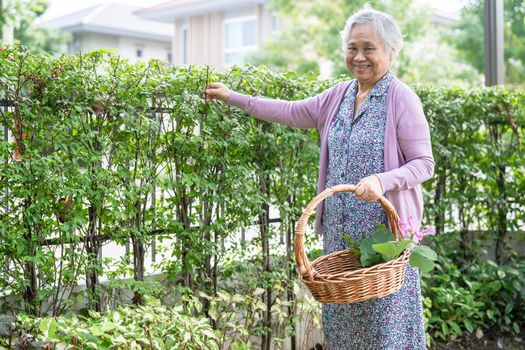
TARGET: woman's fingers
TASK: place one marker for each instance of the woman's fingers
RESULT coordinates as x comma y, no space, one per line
362,193
369,189
213,85
216,90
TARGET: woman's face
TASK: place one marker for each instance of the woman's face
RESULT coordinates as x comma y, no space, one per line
366,55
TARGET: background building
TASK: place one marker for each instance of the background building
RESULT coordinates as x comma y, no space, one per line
219,33
114,25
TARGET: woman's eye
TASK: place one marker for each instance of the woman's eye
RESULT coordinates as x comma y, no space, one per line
352,49
369,48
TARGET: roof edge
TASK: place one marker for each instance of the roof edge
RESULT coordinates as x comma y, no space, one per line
117,32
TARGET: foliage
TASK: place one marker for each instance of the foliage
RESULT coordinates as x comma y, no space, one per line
141,155
381,247
242,289
151,326
467,36
21,15
419,62
477,138
477,297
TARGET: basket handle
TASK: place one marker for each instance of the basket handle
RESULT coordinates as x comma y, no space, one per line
304,265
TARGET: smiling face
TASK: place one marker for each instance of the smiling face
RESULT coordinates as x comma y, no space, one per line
366,55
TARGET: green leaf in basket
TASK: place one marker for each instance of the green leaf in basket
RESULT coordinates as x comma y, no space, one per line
354,251
427,252
370,259
366,246
350,241
391,250
369,256
420,261
381,234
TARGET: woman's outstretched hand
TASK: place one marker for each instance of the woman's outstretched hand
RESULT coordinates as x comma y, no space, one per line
369,189
217,91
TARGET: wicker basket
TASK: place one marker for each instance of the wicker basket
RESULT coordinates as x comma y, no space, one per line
337,278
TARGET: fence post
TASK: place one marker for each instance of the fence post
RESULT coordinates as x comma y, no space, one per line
493,29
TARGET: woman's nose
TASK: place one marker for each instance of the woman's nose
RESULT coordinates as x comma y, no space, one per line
359,56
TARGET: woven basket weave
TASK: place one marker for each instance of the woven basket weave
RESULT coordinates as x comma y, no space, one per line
337,278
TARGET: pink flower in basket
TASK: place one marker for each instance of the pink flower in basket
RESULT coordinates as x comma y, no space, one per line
409,230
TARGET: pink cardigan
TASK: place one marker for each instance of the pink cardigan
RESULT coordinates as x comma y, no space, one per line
407,149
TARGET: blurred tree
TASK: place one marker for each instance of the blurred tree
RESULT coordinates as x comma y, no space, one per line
467,38
310,32
309,37
431,60
21,15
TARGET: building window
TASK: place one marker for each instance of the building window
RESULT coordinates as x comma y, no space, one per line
276,25
139,53
169,58
239,39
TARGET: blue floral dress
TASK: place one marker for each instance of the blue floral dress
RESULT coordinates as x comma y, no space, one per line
355,150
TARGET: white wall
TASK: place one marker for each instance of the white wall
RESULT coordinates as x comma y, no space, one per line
127,48
247,11
94,41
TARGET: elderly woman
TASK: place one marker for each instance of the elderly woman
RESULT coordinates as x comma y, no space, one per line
374,134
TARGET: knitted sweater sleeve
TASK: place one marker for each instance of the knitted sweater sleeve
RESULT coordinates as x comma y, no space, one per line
305,114
413,139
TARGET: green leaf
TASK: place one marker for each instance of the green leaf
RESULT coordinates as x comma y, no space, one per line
381,234
370,259
96,331
354,251
366,246
468,325
107,326
352,243
391,250
212,312
494,286
426,251
516,327
445,329
455,327
421,262
48,327
490,314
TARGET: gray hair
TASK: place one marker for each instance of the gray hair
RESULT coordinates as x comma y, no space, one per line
384,24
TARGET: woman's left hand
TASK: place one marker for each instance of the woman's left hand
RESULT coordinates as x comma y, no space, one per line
369,189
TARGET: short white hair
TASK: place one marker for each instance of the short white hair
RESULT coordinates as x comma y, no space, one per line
384,24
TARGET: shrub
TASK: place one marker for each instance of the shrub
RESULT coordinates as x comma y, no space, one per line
152,326
464,296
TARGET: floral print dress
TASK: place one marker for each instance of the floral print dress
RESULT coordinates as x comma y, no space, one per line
355,150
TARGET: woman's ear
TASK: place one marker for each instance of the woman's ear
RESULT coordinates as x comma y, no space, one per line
392,55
